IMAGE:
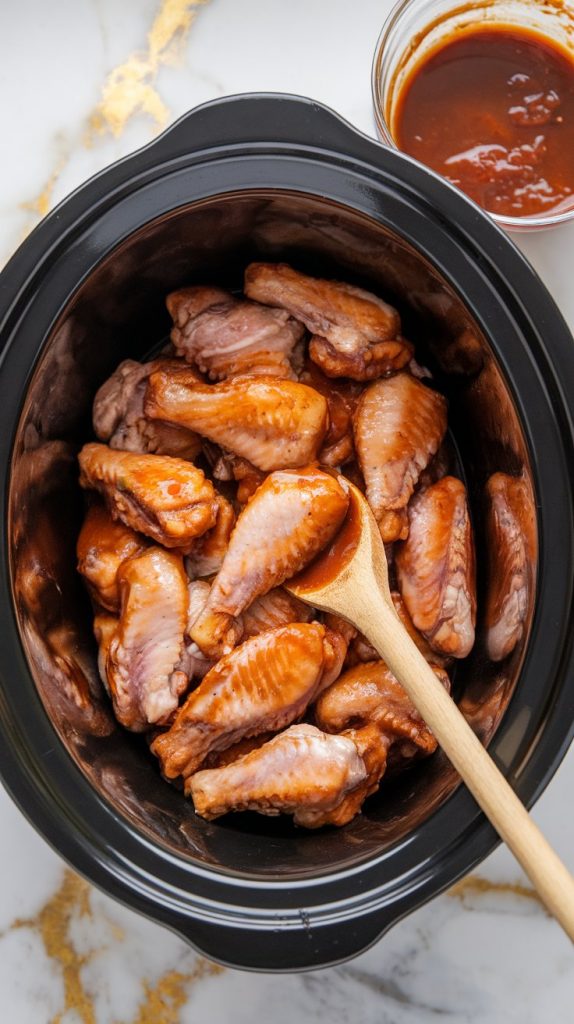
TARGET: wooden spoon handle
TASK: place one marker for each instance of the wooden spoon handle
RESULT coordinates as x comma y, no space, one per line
550,877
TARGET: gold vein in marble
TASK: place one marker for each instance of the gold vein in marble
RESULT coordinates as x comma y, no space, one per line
43,201
474,885
130,88
52,923
163,1001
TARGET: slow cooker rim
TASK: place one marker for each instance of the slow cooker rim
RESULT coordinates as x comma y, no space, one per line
485,832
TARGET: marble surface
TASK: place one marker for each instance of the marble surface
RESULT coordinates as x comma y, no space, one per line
83,82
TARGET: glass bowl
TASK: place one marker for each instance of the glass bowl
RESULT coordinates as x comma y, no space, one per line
414,28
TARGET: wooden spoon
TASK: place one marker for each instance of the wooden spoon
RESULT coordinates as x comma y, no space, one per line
351,579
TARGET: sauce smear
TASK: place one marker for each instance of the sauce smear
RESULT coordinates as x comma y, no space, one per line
492,110
333,559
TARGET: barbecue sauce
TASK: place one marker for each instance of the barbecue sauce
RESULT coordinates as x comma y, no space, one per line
492,110
330,562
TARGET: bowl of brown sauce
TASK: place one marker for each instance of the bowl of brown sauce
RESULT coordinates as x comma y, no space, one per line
483,94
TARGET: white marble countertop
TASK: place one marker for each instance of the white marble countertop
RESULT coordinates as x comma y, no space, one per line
84,82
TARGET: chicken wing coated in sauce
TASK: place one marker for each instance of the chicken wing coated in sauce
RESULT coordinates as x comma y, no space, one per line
369,693
436,568
289,519
340,625
143,655
197,664
237,682
366,363
167,499
342,398
277,608
372,746
271,422
225,336
356,334
220,758
103,544
226,466
270,611
511,536
302,772
208,552
120,420
263,685
399,425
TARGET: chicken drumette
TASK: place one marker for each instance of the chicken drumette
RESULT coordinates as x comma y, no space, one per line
263,685
272,423
289,519
302,772
369,694
368,704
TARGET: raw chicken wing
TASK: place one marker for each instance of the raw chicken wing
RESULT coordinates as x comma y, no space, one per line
272,423
225,336
197,665
301,772
511,537
436,568
221,758
370,694
289,519
340,625
218,633
103,545
263,685
372,746
356,334
270,611
167,499
119,417
227,466
277,608
342,398
365,363
143,660
208,552
399,425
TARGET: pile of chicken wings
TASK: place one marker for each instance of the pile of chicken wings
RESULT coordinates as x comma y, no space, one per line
219,472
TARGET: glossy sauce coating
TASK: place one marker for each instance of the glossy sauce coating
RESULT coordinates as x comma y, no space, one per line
333,559
202,641
492,110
